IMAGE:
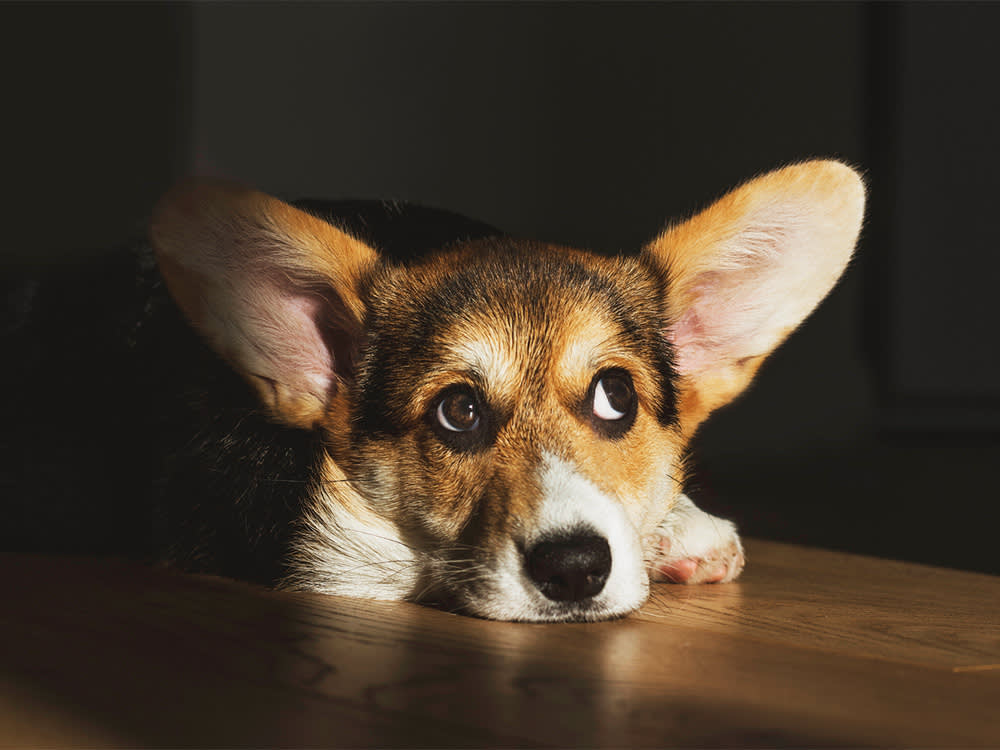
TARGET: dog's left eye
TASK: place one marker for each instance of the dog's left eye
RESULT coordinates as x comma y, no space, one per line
612,397
612,403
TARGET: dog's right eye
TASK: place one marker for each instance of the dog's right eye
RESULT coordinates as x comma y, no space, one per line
460,420
458,412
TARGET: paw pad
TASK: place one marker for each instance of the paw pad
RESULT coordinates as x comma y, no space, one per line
714,564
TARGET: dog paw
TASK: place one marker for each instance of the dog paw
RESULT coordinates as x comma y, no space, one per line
691,546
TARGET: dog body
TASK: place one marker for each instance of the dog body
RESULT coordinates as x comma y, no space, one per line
499,427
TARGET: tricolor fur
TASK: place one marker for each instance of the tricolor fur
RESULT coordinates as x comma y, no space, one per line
499,427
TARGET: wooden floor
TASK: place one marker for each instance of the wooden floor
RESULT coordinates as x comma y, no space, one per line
811,648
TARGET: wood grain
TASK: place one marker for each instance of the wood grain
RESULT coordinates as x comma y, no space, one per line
848,604
813,648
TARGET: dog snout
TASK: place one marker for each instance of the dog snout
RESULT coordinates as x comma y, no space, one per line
570,569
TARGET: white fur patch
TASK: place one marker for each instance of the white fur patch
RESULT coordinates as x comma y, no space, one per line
352,554
709,545
693,531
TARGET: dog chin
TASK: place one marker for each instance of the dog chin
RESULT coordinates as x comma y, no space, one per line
532,607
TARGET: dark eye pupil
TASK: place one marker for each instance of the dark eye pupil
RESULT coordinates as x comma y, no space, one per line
618,392
460,411
611,404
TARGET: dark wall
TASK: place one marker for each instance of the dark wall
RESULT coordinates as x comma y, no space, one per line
592,124
940,155
95,121
588,122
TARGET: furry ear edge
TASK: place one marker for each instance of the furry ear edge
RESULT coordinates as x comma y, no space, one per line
746,271
274,290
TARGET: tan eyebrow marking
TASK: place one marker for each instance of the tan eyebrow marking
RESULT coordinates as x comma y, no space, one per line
488,355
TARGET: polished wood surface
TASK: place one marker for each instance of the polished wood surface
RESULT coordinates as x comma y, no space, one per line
809,648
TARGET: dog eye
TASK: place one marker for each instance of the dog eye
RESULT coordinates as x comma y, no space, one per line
611,403
458,412
461,420
612,397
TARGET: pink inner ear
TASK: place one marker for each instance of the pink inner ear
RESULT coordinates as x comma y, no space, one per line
291,333
750,296
704,334
305,346
686,335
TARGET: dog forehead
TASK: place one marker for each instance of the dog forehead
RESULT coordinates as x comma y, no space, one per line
510,347
497,301
494,270
494,285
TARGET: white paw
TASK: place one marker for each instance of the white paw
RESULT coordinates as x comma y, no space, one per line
691,546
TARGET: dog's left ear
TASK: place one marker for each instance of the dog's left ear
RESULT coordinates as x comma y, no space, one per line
746,271
274,290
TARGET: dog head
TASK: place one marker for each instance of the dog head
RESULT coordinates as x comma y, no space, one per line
505,421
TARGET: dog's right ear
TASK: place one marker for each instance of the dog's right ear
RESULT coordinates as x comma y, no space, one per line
274,290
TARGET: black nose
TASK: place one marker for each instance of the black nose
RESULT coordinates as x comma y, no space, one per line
571,568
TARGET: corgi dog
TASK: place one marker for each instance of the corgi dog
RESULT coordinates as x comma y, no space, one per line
498,427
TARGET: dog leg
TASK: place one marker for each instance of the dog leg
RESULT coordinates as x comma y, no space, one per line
691,546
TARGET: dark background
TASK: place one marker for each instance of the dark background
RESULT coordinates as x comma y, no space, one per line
876,428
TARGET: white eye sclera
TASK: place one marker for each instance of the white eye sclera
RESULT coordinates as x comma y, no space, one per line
608,397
